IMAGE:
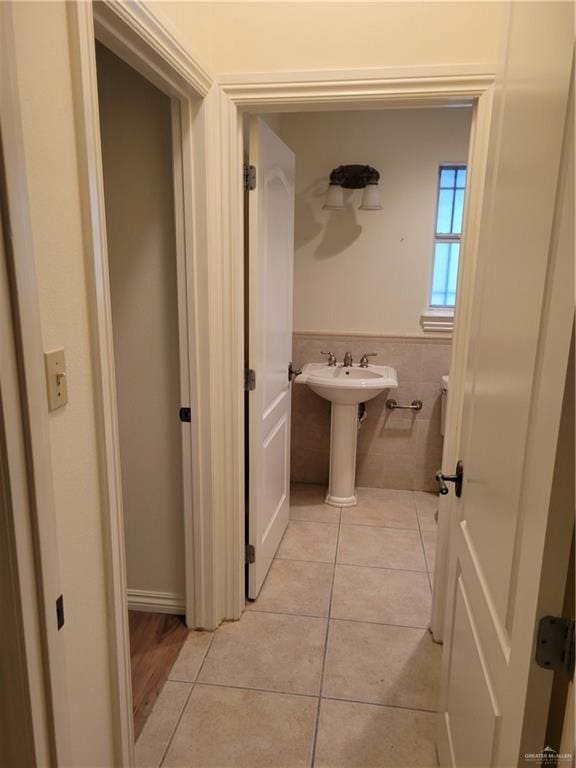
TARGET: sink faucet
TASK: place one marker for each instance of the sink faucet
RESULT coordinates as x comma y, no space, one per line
331,358
347,360
364,359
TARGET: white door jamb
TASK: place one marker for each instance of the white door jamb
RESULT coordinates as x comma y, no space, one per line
132,32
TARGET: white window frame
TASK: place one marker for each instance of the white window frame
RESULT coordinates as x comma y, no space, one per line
440,319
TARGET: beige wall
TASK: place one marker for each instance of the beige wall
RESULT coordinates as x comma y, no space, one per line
369,271
44,75
138,183
274,36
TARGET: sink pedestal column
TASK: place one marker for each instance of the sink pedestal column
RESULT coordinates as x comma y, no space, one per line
344,436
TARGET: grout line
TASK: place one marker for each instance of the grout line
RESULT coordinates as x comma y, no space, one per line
384,568
380,623
355,565
257,690
180,716
379,704
299,560
205,653
384,527
286,613
423,549
192,684
334,618
317,723
424,553
314,696
208,649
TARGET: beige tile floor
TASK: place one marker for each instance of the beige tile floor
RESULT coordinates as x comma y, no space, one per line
332,666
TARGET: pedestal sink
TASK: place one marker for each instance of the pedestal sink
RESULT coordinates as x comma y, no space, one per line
345,388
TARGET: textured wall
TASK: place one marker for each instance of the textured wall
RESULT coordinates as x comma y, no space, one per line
369,271
400,449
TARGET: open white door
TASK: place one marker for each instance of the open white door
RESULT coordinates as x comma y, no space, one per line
510,541
271,267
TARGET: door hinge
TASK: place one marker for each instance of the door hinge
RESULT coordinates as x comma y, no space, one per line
249,380
249,178
60,612
555,644
250,553
185,414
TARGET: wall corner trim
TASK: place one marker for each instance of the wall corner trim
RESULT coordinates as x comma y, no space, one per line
142,21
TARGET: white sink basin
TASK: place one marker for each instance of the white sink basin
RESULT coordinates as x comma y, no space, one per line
348,386
345,388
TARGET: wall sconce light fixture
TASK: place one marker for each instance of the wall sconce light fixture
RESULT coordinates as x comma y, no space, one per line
353,177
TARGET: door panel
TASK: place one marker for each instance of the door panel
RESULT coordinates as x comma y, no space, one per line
472,719
271,266
497,559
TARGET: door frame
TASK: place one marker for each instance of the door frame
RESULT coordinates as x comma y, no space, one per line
134,34
31,516
341,90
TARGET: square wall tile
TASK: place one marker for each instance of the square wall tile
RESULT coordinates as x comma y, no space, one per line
378,664
387,470
230,728
307,503
365,736
307,493
435,360
268,651
309,466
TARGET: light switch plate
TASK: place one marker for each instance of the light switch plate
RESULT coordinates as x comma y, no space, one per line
56,379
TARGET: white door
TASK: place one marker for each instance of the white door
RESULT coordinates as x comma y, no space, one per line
516,370
271,267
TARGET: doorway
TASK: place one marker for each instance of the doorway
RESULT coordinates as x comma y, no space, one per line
141,227
351,578
375,284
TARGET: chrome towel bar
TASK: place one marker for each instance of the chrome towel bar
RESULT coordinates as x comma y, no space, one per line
392,405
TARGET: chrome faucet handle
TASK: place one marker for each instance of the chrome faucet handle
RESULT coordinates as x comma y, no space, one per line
331,358
348,360
364,358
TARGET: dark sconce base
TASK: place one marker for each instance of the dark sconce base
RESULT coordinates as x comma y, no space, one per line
354,176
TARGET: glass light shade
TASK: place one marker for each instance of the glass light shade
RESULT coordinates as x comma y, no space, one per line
334,198
371,198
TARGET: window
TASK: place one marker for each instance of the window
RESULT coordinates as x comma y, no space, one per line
450,206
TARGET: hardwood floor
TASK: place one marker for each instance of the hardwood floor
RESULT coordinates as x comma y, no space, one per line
155,642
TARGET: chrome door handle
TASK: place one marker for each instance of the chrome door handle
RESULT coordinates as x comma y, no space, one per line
293,372
457,479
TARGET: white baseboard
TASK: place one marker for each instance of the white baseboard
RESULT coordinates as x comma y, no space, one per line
155,602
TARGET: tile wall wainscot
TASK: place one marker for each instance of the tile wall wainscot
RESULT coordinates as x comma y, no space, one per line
396,449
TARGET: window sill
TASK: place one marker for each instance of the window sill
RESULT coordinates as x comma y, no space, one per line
437,320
